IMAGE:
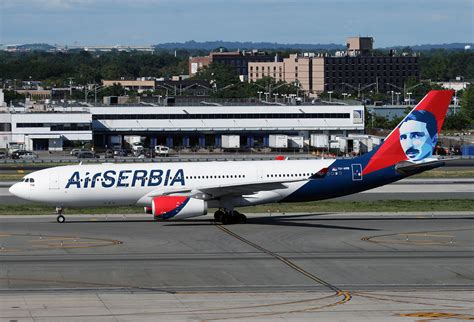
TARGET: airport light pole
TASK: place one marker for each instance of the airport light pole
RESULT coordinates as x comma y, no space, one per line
404,89
276,97
359,89
398,97
409,98
266,96
259,95
70,86
330,93
344,94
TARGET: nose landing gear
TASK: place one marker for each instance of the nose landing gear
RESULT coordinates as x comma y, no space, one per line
60,218
229,217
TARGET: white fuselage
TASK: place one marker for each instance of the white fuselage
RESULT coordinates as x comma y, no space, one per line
118,184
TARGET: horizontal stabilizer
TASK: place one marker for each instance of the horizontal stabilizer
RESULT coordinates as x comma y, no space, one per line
410,168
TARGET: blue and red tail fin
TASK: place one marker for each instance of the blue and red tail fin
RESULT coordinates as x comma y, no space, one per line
414,139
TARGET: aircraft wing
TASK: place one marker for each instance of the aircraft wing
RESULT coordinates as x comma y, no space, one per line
217,191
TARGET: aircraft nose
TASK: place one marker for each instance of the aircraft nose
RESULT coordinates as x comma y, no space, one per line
17,190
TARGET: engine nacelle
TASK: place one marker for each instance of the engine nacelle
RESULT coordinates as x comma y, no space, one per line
178,207
148,210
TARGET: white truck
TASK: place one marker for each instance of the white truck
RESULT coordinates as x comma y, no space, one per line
230,141
320,141
278,141
162,151
296,142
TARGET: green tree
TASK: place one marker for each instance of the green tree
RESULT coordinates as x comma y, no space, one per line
12,96
456,121
467,104
219,76
114,90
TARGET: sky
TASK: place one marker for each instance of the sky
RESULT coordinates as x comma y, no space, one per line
147,22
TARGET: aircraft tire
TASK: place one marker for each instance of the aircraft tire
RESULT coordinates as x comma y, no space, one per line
218,215
60,219
226,219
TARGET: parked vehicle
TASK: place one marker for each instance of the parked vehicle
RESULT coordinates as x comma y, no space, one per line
120,153
116,146
17,153
108,154
3,155
162,151
75,152
28,156
87,155
148,153
137,147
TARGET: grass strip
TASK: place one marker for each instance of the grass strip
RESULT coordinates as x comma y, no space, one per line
314,206
443,173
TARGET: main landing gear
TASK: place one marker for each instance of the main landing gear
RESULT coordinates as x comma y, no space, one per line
60,218
229,217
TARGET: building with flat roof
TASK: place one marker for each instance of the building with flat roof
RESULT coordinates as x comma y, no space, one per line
139,85
352,71
175,126
44,130
236,59
178,85
359,45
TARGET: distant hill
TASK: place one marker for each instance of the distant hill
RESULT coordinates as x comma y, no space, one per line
451,46
234,45
38,47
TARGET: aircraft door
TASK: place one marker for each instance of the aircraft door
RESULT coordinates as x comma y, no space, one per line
54,180
356,172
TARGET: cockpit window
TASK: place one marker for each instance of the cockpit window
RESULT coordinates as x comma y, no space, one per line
32,180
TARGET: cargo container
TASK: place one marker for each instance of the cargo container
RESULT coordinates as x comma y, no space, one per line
320,141
377,140
278,141
467,150
349,145
131,139
115,142
230,141
295,142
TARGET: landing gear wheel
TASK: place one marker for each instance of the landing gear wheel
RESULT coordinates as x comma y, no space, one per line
60,219
238,218
226,219
218,215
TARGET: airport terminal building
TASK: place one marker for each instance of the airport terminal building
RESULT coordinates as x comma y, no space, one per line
175,126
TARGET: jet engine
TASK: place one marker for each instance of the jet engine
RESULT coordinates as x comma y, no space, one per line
177,207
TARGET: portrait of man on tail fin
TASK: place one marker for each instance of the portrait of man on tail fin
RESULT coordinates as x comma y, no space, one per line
419,135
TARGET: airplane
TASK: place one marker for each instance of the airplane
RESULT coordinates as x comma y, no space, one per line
179,190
